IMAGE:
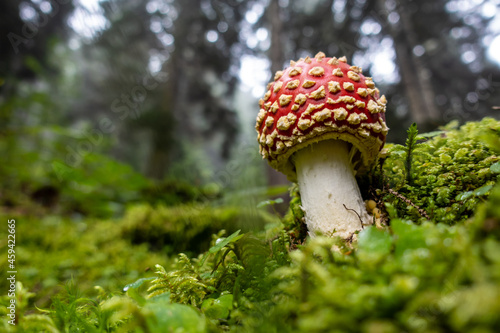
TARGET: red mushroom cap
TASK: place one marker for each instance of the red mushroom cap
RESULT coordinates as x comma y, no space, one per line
320,99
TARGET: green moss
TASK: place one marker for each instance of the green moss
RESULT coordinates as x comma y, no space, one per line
53,250
414,278
186,227
294,221
444,168
417,274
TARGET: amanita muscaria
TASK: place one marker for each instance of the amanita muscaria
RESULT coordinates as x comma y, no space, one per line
321,122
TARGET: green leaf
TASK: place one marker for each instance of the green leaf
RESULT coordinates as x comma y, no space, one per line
134,294
277,190
132,290
220,244
429,135
464,196
218,308
495,167
407,236
173,317
137,283
373,244
269,202
482,190
391,210
398,150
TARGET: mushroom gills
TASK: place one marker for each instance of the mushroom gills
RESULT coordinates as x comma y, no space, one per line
329,192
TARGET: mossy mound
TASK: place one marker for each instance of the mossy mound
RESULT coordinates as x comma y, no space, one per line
451,172
186,227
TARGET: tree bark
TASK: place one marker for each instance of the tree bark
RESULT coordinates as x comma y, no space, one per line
276,55
413,71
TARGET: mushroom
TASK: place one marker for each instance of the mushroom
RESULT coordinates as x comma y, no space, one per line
320,123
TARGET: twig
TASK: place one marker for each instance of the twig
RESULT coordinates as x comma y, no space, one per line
355,212
408,201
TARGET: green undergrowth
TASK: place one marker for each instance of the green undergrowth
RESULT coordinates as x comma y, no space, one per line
110,253
52,250
439,176
187,227
58,171
431,265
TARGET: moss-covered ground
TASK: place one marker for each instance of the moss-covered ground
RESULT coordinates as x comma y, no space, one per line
430,262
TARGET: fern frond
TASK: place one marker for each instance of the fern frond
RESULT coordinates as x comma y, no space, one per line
184,284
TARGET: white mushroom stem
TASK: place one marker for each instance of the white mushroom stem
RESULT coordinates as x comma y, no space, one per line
330,194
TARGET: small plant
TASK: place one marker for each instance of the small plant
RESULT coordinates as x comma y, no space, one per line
411,143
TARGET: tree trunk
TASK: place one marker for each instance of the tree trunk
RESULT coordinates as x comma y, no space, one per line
413,71
276,56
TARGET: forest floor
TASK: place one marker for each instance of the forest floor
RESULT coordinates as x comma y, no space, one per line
178,263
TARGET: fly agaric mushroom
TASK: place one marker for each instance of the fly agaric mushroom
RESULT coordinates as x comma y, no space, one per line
321,122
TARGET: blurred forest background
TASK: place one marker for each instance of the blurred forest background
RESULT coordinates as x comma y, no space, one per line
103,103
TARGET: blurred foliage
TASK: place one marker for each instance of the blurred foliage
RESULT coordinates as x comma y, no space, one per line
186,227
66,172
52,250
64,176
